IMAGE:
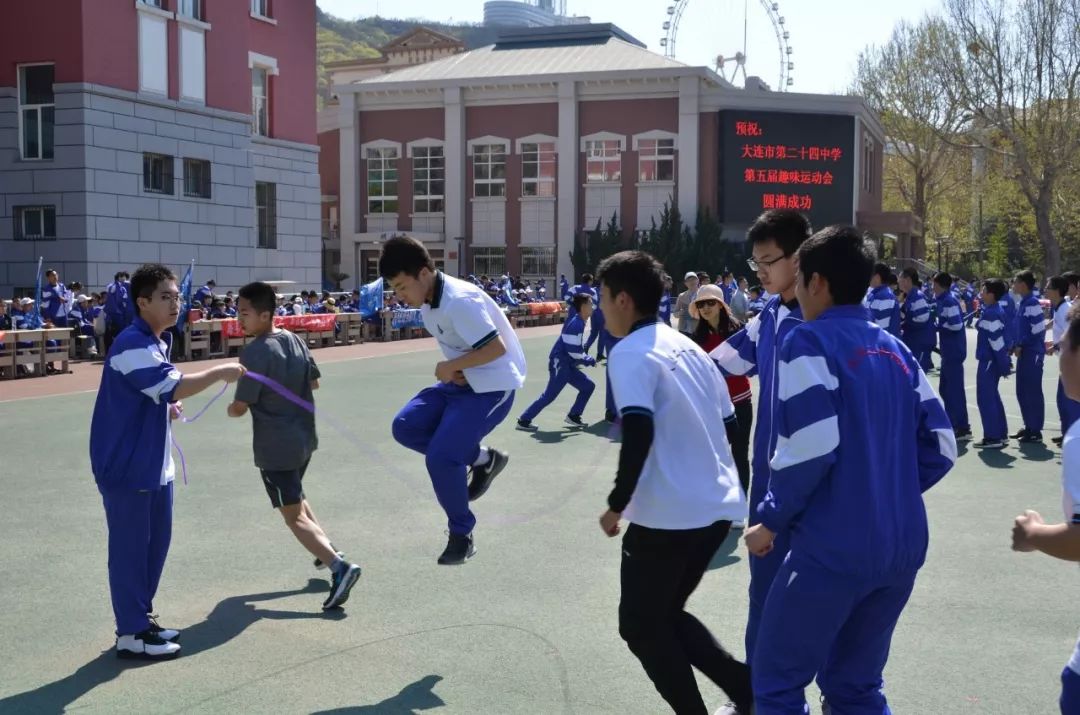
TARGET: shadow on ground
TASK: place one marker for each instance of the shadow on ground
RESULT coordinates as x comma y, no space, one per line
728,553
414,697
230,618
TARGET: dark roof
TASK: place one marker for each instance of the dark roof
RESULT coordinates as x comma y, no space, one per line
563,35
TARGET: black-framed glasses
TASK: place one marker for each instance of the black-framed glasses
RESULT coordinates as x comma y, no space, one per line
707,303
756,265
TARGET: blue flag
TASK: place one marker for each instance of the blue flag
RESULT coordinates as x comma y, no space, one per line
371,298
36,322
508,295
185,298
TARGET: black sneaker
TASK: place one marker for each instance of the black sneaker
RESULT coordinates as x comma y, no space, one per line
319,565
1019,434
1032,438
963,433
992,444
459,549
340,584
609,416
525,424
1057,440
575,421
146,646
483,475
168,634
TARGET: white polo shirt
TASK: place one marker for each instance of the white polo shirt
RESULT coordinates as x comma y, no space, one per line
689,478
463,318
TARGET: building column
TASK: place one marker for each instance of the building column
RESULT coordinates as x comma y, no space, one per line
689,148
349,190
456,193
566,218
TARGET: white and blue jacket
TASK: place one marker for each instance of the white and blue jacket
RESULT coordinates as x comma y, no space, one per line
916,330
755,350
990,345
130,427
950,324
1030,330
884,310
569,349
1008,307
850,488
664,311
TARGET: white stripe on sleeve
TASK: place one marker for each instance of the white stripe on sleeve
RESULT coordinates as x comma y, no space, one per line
802,373
136,359
813,441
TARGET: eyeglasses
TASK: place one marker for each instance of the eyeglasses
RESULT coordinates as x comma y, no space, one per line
708,303
756,265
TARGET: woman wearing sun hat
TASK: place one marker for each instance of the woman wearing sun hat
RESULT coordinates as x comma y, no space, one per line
715,324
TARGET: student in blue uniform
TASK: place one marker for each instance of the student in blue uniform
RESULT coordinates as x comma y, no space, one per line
1008,307
774,238
483,366
884,310
1030,352
857,543
953,341
566,356
755,305
1062,541
664,313
56,300
994,364
1057,291
205,294
131,457
916,329
676,484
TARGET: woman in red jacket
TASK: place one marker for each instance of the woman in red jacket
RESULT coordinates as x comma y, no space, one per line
715,325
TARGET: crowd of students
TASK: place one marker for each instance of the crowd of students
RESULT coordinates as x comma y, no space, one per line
831,345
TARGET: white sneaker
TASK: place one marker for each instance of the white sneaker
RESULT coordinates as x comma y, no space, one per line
730,709
146,646
738,524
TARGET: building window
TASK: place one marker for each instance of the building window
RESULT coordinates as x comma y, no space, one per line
266,211
538,169
153,53
37,111
656,160
603,161
260,101
868,165
429,174
488,261
191,8
260,8
35,223
382,180
197,178
157,173
538,262
489,170
154,3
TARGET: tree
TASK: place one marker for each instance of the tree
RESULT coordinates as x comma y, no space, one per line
901,81
1014,67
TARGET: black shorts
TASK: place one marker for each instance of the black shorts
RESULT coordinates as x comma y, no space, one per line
285,487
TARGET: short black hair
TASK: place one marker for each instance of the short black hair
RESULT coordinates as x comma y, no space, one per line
726,273
912,275
587,278
211,283
580,299
404,254
883,272
1072,277
786,227
146,279
637,274
1025,277
995,287
261,296
1058,283
840,255
50,272
943,279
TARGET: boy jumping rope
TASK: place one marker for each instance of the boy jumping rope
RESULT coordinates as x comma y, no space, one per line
847,488
565,357
131,457
484,365
283,433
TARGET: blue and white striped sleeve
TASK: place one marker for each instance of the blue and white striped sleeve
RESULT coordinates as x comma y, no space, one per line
920,310
882,310
574,340
951,318
145,368
738,354
936,440
808,429
995,338
1034,322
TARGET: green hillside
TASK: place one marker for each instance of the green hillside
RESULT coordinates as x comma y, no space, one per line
339,39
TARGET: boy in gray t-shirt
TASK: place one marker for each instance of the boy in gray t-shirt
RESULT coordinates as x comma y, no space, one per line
284,432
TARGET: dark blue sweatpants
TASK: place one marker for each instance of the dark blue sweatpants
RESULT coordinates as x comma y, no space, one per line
140,529
1068,410
763,570
988,398
561,374
596,333
953,395
445,423
837,627
1029,389
1070,692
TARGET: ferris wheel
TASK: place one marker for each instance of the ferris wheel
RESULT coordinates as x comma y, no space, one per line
737,60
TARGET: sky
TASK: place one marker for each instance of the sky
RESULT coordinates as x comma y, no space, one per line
826,35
